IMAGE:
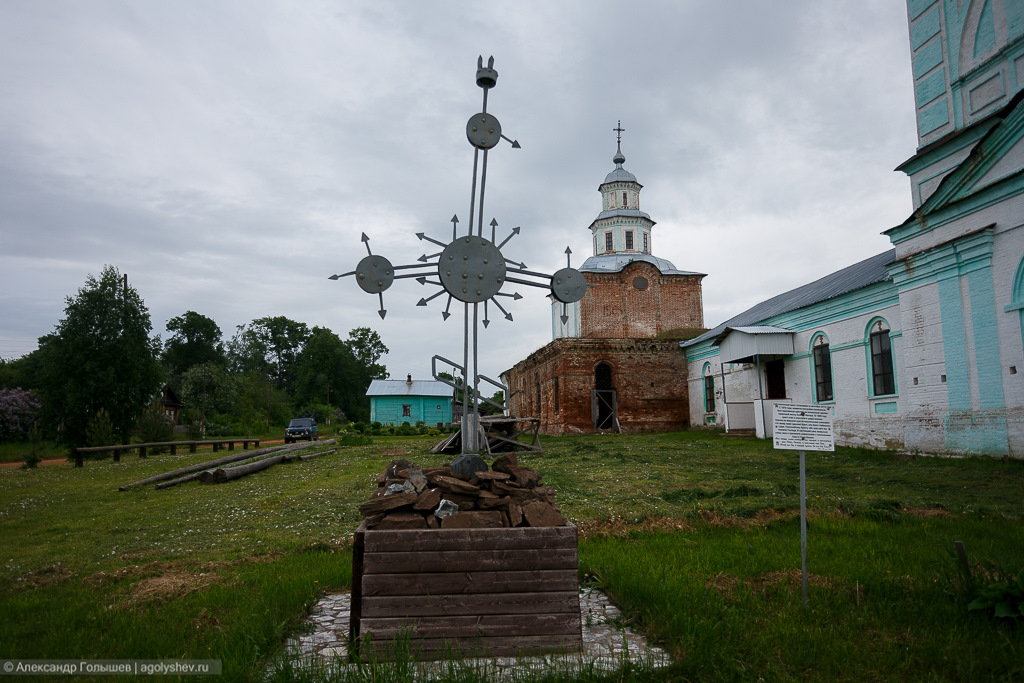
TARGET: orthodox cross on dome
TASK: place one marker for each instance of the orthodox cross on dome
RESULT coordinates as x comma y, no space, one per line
470,268
619,157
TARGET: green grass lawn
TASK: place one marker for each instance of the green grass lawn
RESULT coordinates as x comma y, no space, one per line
695,535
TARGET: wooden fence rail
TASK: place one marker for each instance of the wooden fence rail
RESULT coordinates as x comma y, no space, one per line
79,453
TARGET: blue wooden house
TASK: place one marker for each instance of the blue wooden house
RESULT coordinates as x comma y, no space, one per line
394,401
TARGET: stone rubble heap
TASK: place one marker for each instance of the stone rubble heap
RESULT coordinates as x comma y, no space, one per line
465,495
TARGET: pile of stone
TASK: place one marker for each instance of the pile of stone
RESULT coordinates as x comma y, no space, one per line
464,495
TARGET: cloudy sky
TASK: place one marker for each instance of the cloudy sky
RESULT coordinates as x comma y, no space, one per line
227,154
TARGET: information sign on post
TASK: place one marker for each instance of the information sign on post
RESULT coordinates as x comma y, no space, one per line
803,428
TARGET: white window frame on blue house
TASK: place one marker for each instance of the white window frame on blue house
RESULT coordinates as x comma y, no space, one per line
819,340
876,327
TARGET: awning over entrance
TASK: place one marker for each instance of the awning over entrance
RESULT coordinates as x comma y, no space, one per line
744,344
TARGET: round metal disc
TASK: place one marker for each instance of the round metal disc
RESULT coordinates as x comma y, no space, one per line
568,285
483,131
375,274
471,269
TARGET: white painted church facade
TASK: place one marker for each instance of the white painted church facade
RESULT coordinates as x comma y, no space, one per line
920,347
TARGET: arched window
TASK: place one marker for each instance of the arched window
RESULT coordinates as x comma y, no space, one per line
608,245
880,366
709,389
625,203
1017,302
629,240
822,358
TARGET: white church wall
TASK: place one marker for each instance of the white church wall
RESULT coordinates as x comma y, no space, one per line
924,389
1007,258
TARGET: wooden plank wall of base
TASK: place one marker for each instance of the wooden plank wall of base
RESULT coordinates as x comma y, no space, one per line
466,592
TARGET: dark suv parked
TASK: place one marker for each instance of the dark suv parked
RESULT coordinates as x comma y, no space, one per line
301,428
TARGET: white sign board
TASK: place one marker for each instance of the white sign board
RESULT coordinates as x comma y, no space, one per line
803,427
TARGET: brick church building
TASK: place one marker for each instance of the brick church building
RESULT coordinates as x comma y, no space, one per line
615,362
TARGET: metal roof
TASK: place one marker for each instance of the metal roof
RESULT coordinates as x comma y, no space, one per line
738,344
401,387
613,263
628,213
755,329
619,175
851,278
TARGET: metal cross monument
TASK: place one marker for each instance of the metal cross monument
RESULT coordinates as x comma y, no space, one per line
471,269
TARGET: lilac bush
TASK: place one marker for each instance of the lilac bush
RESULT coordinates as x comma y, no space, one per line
18,409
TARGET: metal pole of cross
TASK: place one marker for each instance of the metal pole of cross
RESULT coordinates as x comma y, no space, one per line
470,268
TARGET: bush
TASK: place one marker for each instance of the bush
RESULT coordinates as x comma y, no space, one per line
154,426
18,411
33,457
1002,596
100,432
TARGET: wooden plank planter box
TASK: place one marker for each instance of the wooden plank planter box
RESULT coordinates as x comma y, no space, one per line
436,593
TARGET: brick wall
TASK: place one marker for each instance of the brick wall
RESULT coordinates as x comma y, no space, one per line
555,383
615,308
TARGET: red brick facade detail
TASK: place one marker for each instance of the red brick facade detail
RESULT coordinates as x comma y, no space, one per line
555,384
640,302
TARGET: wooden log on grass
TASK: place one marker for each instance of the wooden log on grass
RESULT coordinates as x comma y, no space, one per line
201,466
193,472
223,474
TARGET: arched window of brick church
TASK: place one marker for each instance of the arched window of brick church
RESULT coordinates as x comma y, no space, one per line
629,240
608,245
603,376
647,243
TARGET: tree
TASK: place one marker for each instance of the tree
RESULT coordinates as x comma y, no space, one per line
368,348
100,355
195,340
210,391
328,372
269,346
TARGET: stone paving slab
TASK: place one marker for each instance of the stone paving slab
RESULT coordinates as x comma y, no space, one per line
607,643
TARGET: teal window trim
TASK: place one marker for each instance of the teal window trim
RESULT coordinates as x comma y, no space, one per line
1017,302
886,407
822,380
874,354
